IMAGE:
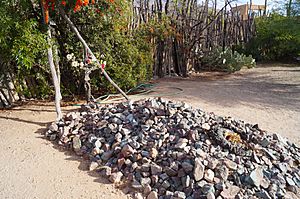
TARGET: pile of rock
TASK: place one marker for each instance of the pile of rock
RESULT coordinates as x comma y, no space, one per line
169,150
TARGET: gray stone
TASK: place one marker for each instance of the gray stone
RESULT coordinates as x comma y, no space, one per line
209,175
185,181
166,184
98,144
256,176
136,185
53,127
290,181
208,188
127,150
147,189
116,177
188,167
137,196
106,155
182,142
222,172
93,166
199,169
263,194
231,192
206,126
230,164
210,195
152,195
179,195
145,181
76,143
155,169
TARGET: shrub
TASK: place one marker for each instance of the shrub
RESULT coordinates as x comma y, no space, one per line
277,38
228,61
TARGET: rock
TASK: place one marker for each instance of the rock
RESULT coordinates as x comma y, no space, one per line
199,169
106,171
179,195
182,142
185,181
231,192
222,172
212,163
170,172
152,195
263,194
136,185
195,159
107,155
282,166
187,167
96,151
207,188
290,181
210,195
137,196
127,150
230,164
98,144
256,177
53,127
76,144
206,126
153,152
209,175
155,169
93,166
116,177
145,181
147,189
166,184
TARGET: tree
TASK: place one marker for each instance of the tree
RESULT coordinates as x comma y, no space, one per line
61,5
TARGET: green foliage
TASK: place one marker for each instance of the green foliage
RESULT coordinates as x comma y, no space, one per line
226,60
278,38
128,55
23,48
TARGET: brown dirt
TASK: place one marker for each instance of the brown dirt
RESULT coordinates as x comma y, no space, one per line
32,167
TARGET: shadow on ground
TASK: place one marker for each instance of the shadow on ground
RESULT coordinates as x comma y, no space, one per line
277,89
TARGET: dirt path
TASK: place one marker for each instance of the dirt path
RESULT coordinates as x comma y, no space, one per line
269,96
32,167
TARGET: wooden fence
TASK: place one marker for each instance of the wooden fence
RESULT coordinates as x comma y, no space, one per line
198,28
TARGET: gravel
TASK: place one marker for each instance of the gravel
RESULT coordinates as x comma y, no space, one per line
163,149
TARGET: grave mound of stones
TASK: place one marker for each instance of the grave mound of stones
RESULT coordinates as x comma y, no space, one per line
162,149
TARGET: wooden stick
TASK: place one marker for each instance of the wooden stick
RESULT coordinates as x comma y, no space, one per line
73,27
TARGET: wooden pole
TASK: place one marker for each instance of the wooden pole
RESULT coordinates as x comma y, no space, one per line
75,30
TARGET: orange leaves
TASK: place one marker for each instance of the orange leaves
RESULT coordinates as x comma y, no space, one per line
75,5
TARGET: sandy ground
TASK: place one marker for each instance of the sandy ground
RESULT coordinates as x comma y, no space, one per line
32,167
268,96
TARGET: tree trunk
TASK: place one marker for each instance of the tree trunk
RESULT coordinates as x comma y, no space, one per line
53,71
54,78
